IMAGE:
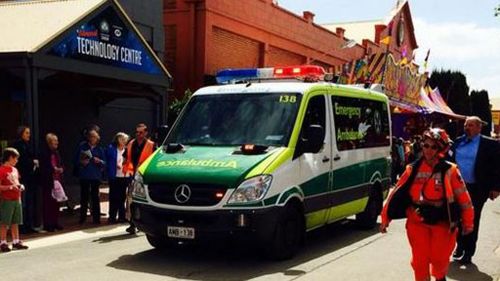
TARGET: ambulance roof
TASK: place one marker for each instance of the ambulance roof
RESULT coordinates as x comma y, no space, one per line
281,87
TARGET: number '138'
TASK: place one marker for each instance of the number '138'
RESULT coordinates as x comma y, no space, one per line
288,99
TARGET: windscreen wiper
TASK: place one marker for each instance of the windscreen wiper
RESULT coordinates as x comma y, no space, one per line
173,147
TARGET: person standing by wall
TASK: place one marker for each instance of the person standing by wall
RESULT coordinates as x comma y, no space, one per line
51,170
138,150
118,181
27,166
90,162
478,158
433,198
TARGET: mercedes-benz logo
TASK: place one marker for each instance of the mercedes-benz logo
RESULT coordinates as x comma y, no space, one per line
182,193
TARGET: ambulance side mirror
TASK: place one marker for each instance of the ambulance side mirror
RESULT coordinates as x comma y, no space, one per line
311,141
315,137
162,133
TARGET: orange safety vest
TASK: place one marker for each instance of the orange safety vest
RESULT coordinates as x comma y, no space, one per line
424,183
147,150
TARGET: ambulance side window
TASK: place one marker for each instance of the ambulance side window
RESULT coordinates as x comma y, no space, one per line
315,113
360,123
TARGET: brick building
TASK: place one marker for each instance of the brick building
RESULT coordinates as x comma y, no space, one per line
203,36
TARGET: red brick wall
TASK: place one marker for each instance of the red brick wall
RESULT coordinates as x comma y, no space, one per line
231,50
280,57
214,34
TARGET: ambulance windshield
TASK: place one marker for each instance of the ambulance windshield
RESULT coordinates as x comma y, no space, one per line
236,119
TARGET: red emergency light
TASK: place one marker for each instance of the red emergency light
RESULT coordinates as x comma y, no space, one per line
299,71
308,73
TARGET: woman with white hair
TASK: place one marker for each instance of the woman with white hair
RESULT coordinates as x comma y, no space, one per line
118,180
51,173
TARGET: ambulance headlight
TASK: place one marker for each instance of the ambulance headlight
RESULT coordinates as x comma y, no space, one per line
253,189
138,186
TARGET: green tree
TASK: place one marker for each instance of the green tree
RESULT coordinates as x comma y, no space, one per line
176,105
454,89
480,106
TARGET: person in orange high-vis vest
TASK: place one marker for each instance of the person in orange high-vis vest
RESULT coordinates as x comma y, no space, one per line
432,196
138,150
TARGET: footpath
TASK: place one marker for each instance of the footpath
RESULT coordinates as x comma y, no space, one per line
69,219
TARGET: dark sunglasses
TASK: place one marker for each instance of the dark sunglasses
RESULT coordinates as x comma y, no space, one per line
433,147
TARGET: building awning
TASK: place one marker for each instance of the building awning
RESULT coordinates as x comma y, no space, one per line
434,102
405,107
93,37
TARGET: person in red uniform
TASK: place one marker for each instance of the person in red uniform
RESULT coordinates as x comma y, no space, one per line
432,196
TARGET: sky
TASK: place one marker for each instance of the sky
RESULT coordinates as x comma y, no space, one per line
462,35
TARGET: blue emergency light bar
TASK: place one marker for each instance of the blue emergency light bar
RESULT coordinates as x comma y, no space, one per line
311,72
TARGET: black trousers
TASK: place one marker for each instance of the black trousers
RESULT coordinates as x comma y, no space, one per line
29,204
90,188
467,243
117,196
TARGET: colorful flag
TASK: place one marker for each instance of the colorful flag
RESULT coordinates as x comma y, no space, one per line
386,40
403,61
426,59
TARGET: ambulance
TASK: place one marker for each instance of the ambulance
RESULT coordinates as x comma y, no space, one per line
269,154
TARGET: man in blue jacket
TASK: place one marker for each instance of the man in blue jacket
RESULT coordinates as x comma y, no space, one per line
90,163
477,157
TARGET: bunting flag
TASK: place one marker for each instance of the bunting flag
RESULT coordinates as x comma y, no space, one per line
426,59
403,62
386,40
361,71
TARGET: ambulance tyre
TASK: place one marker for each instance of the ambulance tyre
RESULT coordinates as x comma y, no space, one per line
288,233
157,242
368,218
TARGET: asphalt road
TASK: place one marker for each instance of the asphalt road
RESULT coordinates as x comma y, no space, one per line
336,252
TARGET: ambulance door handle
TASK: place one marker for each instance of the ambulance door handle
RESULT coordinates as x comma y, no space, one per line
336,158
325,159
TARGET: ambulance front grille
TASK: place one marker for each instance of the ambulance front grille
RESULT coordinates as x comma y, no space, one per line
200,194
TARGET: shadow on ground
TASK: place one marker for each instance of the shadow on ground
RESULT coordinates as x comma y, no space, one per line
108,239
468,272
233,261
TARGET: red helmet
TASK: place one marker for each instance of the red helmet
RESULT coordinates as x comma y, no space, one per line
439,136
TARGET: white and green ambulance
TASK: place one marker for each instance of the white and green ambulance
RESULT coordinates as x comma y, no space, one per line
269,158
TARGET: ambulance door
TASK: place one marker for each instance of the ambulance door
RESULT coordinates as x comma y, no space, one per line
315,167
348,175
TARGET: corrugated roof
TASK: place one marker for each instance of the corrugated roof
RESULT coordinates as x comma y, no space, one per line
358,30
28,25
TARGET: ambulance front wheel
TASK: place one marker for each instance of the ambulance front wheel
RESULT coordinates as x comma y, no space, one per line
368,218
157,242
288,233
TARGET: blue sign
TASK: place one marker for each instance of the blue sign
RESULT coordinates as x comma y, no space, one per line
105,39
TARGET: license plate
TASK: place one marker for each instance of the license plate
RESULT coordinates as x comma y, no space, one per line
180,232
